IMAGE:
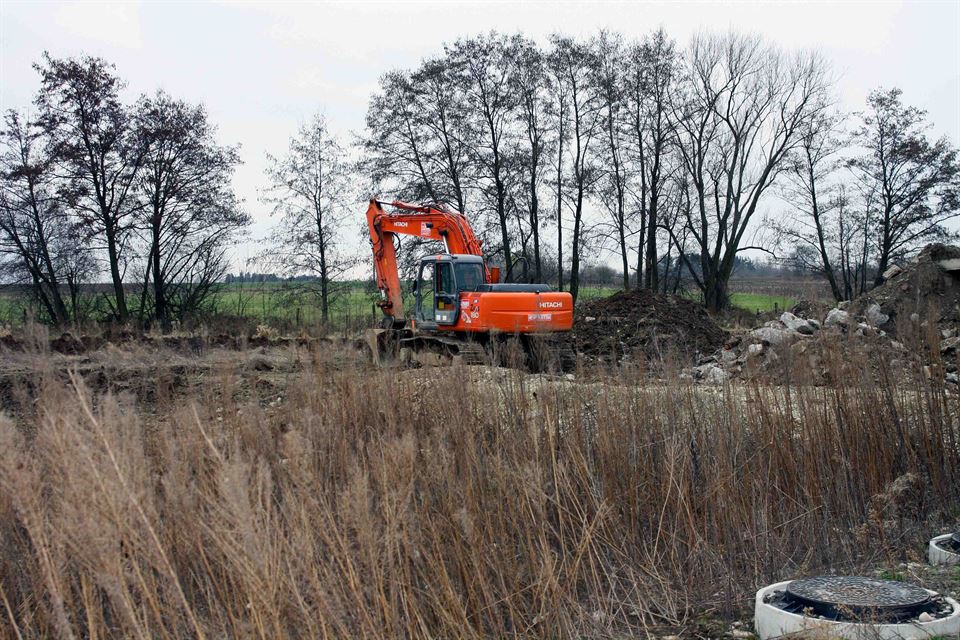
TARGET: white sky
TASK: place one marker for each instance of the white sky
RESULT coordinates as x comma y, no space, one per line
263,68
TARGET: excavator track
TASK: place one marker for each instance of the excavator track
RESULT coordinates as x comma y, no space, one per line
449,350
550,353
544,353
406,347
472,353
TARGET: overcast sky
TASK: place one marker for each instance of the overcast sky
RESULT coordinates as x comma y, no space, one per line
262,68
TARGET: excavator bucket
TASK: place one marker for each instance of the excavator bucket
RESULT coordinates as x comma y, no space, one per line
377,343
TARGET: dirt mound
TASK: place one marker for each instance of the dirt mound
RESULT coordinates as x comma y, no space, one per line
928,286
630,323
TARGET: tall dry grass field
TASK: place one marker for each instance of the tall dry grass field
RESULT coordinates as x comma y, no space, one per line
453,503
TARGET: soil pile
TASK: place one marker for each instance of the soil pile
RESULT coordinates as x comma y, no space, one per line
641,323
928,286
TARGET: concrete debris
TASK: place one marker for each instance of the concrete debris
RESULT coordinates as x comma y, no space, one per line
712,374
836,317
800,325
857,338
949,345
875,316
773,335
892,272
864,329
950,264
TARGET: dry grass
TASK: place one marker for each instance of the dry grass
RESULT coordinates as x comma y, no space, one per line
453,503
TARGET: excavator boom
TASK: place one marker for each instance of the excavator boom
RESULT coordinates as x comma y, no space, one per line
431,223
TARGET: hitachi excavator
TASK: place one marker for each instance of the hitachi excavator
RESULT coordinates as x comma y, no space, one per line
461,311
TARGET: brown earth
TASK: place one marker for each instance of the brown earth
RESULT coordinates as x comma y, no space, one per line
157,370
641,323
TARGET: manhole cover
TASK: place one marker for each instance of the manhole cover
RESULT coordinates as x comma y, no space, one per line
854,597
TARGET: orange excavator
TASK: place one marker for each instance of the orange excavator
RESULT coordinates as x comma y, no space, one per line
461,310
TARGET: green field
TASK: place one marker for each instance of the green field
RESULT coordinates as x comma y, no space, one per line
761,302
282,301
293,305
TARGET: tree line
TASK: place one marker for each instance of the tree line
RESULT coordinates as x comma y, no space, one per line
90,184
674,159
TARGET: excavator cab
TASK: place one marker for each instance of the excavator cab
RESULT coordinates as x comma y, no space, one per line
440,280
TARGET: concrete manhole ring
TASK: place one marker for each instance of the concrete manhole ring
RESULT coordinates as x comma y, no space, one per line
944,550
773,620
854,596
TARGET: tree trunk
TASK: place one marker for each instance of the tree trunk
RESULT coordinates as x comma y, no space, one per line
652,273
504,232
560,212
575,255
535,227
624,259
160,310
114,258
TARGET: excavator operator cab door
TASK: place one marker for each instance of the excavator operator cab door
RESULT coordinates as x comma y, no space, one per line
437,297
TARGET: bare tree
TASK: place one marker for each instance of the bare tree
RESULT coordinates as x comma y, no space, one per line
442,113
809,189
37,236
744,109
485,66
610,60
571,63
853,243
396,147
532,86
188,212
910,183
559,117
96,149
655,61
310,191
418,132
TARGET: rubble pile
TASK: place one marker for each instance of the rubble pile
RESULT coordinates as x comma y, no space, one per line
781,349
927,289
644,324
918,302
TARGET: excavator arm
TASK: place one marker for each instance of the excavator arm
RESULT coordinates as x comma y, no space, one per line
429,222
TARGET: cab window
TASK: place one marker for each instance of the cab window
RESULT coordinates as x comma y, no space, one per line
446,295
469,275
425,286
445,281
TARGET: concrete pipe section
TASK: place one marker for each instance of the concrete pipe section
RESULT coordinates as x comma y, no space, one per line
854,608
945,549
